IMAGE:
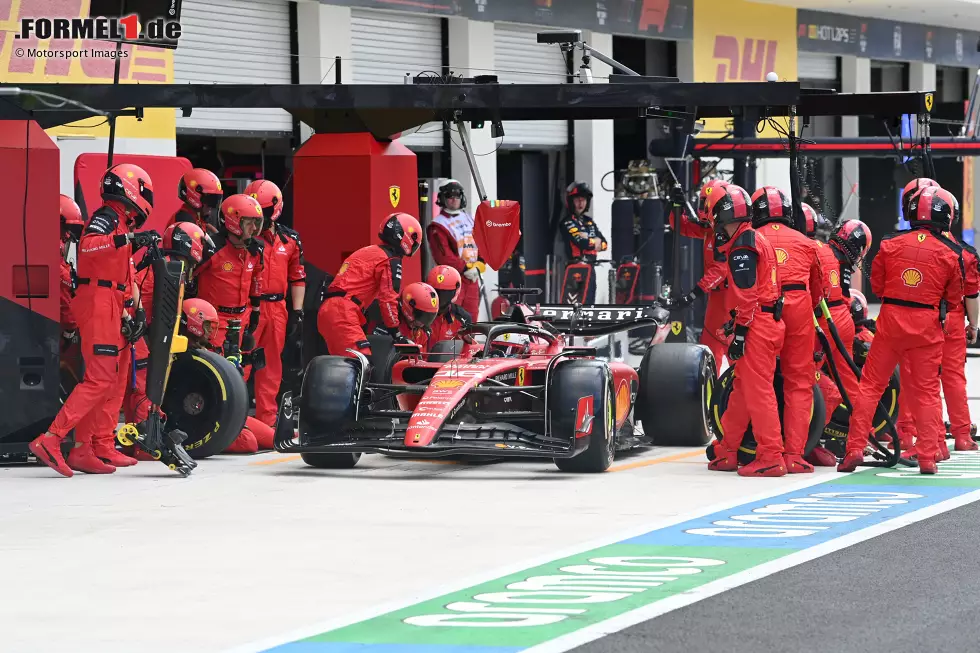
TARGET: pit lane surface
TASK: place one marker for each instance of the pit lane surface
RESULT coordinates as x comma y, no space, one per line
255,552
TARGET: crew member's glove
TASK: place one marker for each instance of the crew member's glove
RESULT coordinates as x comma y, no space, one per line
402,340
818,356
248,341
70,337
737,349
684,301
134,328
138,239
472,274
294,324
254,246
971,334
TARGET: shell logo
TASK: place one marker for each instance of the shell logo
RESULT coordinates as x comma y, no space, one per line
193,183
343,268
447,383
781,255
834,278
129,174
192,310
622,400
227,267
911,277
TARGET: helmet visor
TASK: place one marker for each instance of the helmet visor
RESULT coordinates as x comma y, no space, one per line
211,200
445,299
254,223
424,320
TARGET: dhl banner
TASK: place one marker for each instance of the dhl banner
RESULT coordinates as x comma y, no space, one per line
82,62
738,41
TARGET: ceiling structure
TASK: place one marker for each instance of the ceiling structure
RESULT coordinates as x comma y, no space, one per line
963,14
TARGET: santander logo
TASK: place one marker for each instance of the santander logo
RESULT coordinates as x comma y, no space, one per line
491,223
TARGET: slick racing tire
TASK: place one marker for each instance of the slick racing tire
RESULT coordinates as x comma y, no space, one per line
383,358
572,382
331,460
676,384
835,432
445,351
206,398
328,401
746,452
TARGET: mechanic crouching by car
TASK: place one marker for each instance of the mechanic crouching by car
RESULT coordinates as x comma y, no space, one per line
419,308
452,318
283,285
450,238
802,285
914,273
755,295
372,272
200,191
104,269
583,240
231,281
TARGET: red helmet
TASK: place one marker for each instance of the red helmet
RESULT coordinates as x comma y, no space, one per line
911,189
854,239
769,204
130,185
403,232
188,240
200,319
734,205
420,305
446,281
859,305
932,207
237,208
705,195
200,187
269,197
811,220
71,219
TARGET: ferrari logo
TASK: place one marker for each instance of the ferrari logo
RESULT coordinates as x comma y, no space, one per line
435,301
921,237
911,277
775,227
676,327
928,101
440,278
395,195
520,376
818,376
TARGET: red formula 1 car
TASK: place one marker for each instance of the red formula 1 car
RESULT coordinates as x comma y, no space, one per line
513,387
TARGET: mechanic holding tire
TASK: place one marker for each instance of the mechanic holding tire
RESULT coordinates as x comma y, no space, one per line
283,279
803,287
372,272
914,273
755,295
104,268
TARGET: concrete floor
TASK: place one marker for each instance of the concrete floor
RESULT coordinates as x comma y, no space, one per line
251,547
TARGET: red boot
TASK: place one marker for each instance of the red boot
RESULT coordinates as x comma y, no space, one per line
47,448
943,450
724,460
797,464
106,451
765,468
928,467
83,459
851,461
244,443
966,444
821,457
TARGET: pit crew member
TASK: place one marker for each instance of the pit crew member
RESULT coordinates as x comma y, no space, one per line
200,191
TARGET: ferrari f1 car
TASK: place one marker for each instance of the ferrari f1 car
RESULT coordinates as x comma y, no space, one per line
513,387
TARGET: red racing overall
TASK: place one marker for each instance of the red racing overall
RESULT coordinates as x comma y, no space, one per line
372,272
713,283
838,280
231,281
802,280
754,292
283,267
912,273
448,325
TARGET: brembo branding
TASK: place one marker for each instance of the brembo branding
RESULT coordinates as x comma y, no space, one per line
491,223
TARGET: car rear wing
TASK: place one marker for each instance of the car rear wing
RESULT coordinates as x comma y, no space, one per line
599,319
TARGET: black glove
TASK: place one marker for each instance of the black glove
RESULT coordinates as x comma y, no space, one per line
254,246
253,321
294,324
818,356
684,301
737,349
248,341
134,328
141,239
70,337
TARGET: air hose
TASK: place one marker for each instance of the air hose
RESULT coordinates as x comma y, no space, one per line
892,458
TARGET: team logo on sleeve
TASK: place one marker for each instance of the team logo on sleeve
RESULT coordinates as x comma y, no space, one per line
911,277
834,278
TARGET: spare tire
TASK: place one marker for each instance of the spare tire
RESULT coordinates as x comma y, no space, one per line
676,383
746,452
206,398
835,431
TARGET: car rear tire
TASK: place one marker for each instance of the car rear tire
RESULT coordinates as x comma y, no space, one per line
746,452
206,398
571,381
329,399
676,383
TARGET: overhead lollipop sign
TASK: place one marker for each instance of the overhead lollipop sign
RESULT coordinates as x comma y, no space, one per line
497,230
